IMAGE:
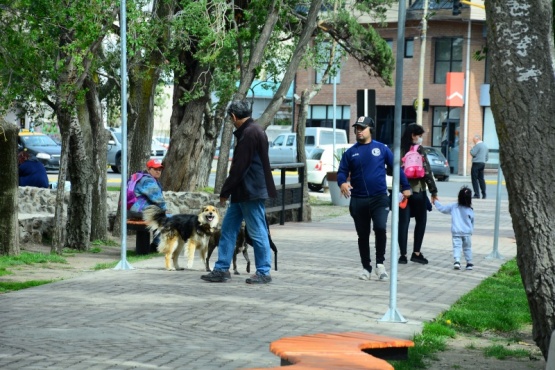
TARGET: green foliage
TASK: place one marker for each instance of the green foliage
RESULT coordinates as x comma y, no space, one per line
282,121
42,41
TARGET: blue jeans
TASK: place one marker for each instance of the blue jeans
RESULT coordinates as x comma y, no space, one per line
254,214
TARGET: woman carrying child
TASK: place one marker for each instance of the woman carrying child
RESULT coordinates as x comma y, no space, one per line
462,225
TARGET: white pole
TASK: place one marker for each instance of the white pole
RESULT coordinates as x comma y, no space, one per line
393,315
334,116
420,99
123,264
466,87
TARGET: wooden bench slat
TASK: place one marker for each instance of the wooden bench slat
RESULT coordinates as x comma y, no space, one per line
142,240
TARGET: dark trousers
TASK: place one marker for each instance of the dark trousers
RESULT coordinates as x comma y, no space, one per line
417,208
364,211
477,175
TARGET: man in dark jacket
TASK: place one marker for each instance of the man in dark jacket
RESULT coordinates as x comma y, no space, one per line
31,171
249,184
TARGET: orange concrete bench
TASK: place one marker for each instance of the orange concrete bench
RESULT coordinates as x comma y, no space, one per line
142,241
352,350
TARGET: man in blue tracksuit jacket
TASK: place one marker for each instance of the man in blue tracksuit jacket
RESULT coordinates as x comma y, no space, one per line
364,164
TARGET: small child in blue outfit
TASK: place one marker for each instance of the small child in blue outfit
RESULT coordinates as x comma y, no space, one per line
462,225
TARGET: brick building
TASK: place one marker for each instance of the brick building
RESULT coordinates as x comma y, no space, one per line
451,43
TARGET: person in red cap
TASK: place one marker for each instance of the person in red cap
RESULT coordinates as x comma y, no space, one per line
148,190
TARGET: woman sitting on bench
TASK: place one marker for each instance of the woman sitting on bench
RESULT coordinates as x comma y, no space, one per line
148,191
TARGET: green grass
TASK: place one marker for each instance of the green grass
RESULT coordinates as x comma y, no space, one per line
498,305
13,286
502,352
25,258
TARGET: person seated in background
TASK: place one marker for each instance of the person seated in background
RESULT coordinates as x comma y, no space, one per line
148,190
31,171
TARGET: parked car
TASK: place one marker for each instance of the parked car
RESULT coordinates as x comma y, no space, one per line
114,150
46,150
164,141
284,147
438,162
320,162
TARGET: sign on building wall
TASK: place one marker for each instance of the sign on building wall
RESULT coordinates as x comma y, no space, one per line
454,94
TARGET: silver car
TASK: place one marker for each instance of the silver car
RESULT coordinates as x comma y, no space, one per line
114,150
438,162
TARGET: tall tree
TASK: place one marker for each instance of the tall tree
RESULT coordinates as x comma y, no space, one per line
521,50
47,49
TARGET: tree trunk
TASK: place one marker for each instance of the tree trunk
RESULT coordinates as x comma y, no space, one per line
99,141
301,155
64,122
80,197
189,156
193,135
520,46
9,181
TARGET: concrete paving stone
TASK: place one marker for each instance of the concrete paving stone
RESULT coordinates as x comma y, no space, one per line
149,318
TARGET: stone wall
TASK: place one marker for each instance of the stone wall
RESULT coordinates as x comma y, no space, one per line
36,208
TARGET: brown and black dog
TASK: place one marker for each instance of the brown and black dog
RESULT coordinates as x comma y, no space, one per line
182,230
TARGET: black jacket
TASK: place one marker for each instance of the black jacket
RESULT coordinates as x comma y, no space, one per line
250,176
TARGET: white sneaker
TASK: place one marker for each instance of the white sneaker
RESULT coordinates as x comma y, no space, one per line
457,265
364,275
380,271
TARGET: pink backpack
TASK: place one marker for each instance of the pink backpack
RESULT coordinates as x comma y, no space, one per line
413,163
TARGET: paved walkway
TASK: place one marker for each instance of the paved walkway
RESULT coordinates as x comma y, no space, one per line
149,318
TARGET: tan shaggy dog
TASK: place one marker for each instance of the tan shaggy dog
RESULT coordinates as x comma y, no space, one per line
180,231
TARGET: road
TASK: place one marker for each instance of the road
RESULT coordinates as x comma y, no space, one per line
449,189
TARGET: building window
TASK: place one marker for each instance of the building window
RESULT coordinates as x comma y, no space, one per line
322,116
320,73
409,48
389,43
448,57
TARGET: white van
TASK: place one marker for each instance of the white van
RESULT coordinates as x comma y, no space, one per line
284,147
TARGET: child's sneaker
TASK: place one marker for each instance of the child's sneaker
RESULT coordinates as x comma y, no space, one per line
457,265
469,266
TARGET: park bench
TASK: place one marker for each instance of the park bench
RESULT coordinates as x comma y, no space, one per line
142,241
350,350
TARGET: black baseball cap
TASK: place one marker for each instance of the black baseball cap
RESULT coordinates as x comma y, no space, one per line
364,122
